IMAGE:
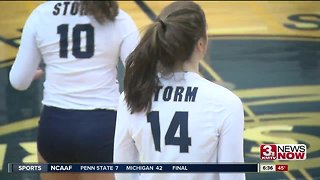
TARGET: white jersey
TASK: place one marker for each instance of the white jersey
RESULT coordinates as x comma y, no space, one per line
80,54
191,120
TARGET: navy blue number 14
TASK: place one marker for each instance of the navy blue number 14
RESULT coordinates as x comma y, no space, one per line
180,118
76,40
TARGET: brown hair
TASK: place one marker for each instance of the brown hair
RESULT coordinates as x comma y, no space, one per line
167,42
101,10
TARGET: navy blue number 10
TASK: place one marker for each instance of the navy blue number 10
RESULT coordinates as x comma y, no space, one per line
179,119
76,40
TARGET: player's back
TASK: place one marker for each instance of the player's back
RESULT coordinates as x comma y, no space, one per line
80,54
184,124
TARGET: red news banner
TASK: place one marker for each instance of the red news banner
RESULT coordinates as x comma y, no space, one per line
283,167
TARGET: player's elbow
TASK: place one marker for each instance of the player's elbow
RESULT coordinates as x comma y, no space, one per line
17,83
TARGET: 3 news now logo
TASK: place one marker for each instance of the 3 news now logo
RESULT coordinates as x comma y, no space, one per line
283,152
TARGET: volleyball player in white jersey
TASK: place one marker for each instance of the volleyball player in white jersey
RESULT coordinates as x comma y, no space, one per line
168,112
80,44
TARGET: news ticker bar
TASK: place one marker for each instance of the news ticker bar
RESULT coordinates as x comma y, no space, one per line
144,168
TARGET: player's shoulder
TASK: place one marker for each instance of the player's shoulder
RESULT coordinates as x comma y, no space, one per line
123,15
45,7
124,19
217,92
125,24
40,11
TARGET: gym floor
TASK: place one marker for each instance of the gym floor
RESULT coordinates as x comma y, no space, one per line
268,53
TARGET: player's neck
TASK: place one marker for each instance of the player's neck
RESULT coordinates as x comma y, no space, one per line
191,66
188,66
